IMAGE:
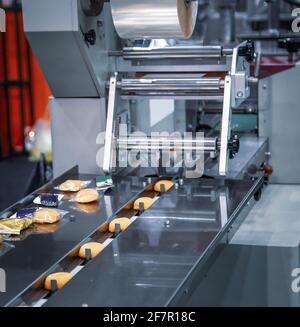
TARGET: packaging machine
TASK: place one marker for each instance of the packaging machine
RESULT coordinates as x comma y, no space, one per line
127,84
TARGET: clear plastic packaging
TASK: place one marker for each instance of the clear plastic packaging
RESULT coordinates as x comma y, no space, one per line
31,215
72,185
40,228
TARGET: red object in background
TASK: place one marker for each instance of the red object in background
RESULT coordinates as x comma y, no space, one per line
24,91
271,65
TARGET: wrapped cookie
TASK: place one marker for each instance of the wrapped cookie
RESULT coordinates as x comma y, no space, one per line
87,196
46,216
73,185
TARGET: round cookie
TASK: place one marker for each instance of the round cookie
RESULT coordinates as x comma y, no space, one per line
46,216
62,278
148,202
123,222
167,185
87,196
71,185
95,248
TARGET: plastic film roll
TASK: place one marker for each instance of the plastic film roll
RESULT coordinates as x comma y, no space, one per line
154,19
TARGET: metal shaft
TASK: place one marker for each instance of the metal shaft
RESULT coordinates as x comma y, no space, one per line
205,145
177,52
167,84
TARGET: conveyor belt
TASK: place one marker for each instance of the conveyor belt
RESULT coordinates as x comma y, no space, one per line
39,253
150,263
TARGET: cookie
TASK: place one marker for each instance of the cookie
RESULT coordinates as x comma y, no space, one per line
87,196
71,185
46,216
148,202
166,185
61,278
123,222
95,248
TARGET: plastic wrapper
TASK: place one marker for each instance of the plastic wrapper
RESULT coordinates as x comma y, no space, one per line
36,228
14,226
48,200
31,215
104,182
24,234
26,212
87,198
72,185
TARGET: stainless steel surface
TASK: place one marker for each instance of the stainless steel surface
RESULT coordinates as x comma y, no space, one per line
154,19
109,133
147,264
177,52
38,253
178,65
257,65
177,95
225,127
240,72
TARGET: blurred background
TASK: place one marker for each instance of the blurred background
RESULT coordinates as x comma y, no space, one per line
24,113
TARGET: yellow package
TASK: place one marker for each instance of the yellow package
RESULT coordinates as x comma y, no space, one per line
14,226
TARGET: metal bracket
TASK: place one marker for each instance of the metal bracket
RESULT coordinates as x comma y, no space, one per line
53,285
236,91
110,124
240,71
88,254
226,127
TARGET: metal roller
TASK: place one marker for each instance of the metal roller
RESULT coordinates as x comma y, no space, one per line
177,52
148,144
174,84
154,19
